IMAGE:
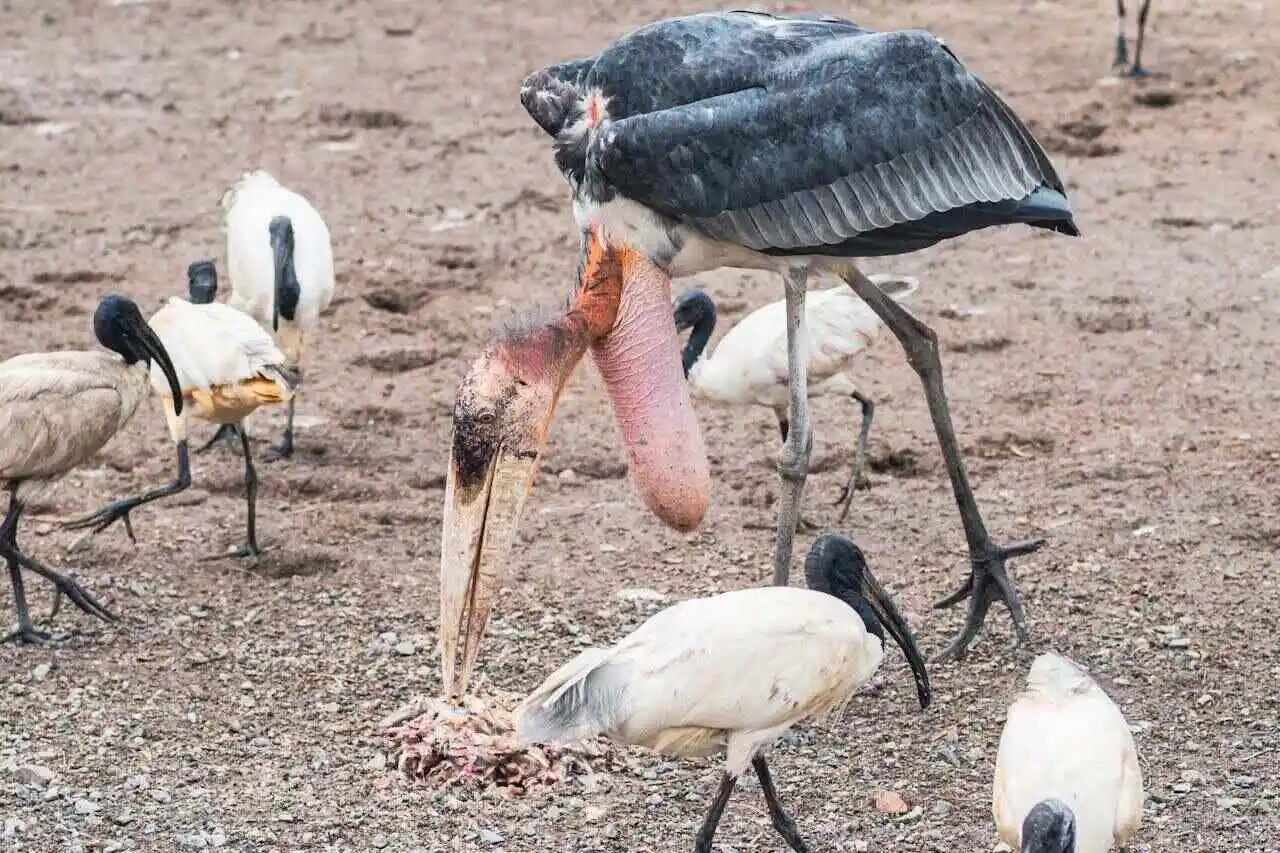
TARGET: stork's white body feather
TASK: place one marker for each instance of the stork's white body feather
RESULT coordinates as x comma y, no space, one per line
732,671
57,409
226,363
250,206
1064,738
749,365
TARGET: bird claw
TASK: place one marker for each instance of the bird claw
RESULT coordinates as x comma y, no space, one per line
988,580
105,517
29,635
224,433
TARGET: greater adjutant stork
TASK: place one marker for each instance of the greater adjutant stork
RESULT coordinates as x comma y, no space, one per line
758,141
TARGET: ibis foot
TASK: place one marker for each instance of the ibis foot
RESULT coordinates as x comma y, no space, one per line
252,553
28,635
283,450
988,580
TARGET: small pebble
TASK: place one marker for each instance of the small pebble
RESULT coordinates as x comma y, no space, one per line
161,796
379,841
488,836
405,647
85,807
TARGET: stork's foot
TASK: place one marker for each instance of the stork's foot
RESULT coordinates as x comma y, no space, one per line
988,580
225,431
28,635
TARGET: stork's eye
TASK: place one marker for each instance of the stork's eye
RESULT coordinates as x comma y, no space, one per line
485,417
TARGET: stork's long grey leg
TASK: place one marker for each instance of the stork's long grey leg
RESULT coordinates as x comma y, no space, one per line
782,821
708,831
793,461
988,578
860,460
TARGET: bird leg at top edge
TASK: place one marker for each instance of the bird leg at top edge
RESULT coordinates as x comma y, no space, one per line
782,821
793,460
858,479
988,577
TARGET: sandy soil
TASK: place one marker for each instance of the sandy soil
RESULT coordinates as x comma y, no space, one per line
1112,393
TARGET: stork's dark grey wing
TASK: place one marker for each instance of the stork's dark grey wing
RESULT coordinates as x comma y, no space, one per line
862,143
551,96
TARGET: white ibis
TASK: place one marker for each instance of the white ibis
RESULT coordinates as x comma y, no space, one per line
57,410
1122,43
227,367
731,672
741,139
1067,775
749,364
280,262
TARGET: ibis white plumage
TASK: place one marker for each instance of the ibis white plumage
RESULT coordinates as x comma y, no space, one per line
280,262
749,365
731,672
58,409
1067,776
227,367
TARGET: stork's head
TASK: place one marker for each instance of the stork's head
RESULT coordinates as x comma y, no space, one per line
1050,827
202,282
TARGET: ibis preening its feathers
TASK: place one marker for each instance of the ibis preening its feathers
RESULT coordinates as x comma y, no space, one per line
731,672
58,409
742,139
749,365
227,367
280,261
1067,775
1122,43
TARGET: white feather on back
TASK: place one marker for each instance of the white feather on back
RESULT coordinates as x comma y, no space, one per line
749,365
212,344
1065,738
734,669
250,205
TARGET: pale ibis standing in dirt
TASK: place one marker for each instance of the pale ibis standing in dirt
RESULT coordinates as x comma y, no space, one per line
749,364
227,368
280,262
1067,775
731,672
58,409
1122,43
740,139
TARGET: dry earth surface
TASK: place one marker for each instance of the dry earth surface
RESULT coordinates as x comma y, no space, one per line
1114,393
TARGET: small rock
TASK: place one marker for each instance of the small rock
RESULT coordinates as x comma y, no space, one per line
378,762
1178,642
135,783
861,845
85,807
568,475
124,818
194,841
610,830
488,836
593,813
1229,802
217,838
161,796
1243,781
1181,788
941,808
1193,777
639,594
41,672
405,647
34,774
379,841
890,802
12,826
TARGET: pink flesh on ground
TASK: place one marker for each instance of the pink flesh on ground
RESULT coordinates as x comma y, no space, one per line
640,364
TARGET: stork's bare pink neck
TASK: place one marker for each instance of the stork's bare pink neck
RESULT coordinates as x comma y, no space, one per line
639,361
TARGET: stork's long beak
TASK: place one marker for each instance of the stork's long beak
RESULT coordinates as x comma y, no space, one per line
482,509
892,620
154,347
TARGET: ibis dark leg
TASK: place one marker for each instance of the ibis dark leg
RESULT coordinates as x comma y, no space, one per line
64,585
1137,70
1122,44
284,449
988,578
708,831
856,478
793,461
119,510
781,820
225,431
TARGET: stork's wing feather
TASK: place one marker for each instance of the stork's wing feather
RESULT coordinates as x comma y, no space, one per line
866,132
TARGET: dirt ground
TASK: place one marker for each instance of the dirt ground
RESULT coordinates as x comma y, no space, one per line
1111,393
